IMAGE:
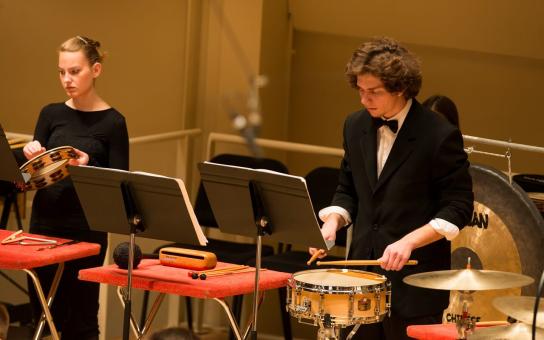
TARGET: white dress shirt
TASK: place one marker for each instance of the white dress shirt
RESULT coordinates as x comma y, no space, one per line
385,140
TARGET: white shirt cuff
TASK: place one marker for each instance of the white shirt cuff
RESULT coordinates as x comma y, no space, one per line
325,212
445,228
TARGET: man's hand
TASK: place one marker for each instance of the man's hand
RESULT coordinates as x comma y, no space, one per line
396,254
328,230
33,149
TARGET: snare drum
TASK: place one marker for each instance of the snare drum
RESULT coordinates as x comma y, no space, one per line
48,167
338,297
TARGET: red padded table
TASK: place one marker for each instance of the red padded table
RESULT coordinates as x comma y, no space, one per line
151,275
447,331
26,257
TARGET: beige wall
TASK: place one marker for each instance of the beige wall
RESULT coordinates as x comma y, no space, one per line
171,66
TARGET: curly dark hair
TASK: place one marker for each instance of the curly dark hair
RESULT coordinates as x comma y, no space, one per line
386,59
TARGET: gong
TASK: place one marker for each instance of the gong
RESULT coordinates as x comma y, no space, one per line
506,233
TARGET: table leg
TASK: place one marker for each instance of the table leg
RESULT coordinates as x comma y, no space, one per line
140,333
232,319
50,296
46,303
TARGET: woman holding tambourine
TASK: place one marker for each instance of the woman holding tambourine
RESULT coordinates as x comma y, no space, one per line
98,135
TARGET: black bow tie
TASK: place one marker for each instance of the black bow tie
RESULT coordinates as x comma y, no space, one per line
392,124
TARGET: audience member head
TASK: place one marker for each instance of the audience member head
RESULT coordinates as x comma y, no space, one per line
173,333
444,106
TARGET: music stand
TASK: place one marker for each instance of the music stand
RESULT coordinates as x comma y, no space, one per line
154,206
10,172
278,205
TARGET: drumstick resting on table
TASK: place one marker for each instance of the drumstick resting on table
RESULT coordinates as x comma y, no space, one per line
359,263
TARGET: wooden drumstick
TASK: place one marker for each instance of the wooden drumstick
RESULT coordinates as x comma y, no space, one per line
492,323
359,263
227,268
196,274
246,270
315,256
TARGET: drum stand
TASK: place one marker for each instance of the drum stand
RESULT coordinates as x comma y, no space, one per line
333,332
328,333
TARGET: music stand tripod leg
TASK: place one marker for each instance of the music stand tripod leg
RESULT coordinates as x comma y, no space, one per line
121,292
17,212
10,198
50,296
250,323
43,302
5,211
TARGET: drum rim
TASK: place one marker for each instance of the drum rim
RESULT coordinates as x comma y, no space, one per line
331,289
44,154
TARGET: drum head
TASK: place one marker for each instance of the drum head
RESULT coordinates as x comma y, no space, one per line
506,234
48,167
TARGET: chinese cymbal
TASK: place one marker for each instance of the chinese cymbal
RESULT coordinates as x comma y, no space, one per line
468,279
521,308
517,331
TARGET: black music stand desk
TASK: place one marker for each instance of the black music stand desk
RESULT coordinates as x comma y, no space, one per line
255,202
125,202
10,172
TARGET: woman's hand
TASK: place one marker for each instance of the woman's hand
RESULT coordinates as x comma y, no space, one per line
33,149
82,158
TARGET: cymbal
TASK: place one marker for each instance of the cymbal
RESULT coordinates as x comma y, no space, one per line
517,331
521,308
468,279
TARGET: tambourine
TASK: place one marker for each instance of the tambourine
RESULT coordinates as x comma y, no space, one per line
48,167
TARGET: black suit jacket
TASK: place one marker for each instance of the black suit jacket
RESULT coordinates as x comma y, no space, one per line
425,177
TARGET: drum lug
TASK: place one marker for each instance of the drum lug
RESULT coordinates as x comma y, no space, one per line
378,297
364,304
327,320
388,298
321,302
298,291
289,298
351,303
305,307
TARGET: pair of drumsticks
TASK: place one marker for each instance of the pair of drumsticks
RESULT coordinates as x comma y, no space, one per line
349,262
235,269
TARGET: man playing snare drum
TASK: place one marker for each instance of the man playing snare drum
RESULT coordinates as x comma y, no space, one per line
404,184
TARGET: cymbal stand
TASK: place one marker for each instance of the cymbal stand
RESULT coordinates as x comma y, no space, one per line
465,325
